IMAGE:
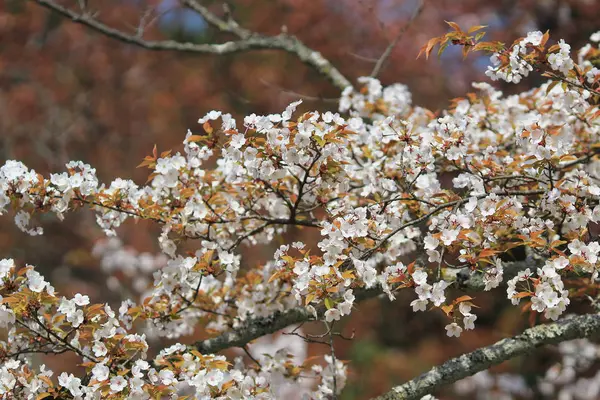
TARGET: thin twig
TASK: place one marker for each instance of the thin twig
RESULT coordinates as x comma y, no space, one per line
245,348
388,51
300,95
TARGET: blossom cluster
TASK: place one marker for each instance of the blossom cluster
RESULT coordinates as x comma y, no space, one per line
116,360
137,267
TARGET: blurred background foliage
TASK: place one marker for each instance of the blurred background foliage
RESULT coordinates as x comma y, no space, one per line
67,93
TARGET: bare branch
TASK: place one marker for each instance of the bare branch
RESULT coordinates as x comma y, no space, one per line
248,40
386,54
143,22
363,58
581,326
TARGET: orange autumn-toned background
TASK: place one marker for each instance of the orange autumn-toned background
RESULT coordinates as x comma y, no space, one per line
67,93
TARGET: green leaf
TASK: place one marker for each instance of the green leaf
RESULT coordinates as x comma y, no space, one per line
328,303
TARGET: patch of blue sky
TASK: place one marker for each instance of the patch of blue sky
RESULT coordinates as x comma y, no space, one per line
172,14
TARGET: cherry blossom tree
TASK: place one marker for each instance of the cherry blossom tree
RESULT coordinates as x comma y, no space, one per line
398,199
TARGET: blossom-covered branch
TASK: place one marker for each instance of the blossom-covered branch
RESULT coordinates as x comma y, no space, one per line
246,41
467,281
576,327
398,198
525,55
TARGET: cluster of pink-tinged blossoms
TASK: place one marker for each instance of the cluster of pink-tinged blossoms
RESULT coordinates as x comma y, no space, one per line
399,198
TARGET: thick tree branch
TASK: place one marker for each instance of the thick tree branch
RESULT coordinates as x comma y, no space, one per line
257,327
581,326
248,41
253,329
